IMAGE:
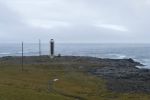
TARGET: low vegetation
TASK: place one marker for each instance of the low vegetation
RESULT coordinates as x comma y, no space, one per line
55,80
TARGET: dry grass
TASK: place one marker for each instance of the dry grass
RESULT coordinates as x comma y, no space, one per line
34,84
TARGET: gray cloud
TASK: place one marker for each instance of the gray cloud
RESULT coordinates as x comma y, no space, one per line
13,28
75,20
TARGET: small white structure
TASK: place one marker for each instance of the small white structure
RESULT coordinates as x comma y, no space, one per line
54,80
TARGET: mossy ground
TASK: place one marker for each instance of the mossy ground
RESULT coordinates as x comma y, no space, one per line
36,83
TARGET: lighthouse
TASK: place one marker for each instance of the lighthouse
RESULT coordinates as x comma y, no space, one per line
52,45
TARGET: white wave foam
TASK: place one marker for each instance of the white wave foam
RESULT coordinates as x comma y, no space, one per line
145,62
5,53
117,56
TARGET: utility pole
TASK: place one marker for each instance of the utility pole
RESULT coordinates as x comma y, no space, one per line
40,47
22,56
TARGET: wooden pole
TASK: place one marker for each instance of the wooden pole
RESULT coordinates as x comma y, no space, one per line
22,57
39,47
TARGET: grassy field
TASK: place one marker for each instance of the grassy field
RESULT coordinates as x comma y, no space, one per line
36,83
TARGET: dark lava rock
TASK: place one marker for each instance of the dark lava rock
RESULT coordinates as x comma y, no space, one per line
127,78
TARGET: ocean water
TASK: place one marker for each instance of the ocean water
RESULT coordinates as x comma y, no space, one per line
139,52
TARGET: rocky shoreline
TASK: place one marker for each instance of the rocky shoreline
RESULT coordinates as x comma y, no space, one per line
121,75
124,76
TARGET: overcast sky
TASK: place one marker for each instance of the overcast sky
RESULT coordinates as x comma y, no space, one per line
100,21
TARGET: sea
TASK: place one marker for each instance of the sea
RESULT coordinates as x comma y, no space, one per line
138,52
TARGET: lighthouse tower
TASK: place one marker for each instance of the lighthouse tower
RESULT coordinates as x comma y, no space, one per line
52,45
